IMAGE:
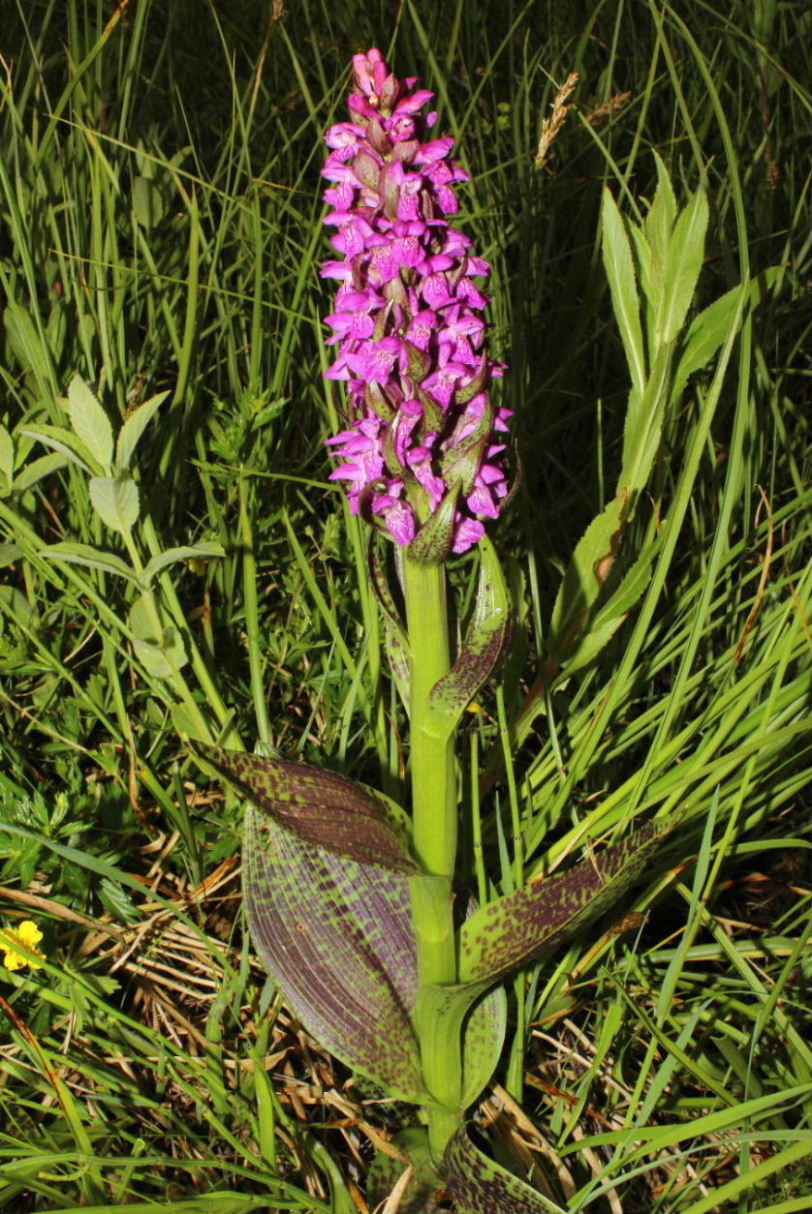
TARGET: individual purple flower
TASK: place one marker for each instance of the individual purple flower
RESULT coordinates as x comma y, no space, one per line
408,322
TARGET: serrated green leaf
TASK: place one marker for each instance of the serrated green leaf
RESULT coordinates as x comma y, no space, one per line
135,425
681,272
522,926
480,1186
115,500
90,422
483,644
66,443
589,567
28,476
157,644
619,265
337,937
200,552
710,328
656,237
608,617
319,807
70,553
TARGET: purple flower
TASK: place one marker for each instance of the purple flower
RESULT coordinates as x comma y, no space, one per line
408,320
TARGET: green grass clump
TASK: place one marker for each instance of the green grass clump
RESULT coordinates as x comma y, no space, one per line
160,236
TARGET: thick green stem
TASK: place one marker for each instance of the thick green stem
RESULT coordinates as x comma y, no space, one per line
434,815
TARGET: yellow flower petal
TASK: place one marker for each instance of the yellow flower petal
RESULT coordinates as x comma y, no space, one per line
27,935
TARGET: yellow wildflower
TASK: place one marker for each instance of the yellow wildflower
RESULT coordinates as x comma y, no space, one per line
11,938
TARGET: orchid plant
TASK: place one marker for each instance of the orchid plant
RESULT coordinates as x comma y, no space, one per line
351,899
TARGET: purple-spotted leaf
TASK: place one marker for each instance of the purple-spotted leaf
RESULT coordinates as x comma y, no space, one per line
480,1186
523,926
395,636
337,937
432,544
320,807
483,644
483,1038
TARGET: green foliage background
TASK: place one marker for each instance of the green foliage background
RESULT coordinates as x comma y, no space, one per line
160,233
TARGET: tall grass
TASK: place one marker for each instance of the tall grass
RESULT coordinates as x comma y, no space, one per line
161,233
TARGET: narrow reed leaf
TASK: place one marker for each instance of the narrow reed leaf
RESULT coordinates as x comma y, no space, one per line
337,937
319,807
523,926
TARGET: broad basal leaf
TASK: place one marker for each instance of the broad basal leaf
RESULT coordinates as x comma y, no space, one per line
320,807
483,644
524,925
480,1186
337,937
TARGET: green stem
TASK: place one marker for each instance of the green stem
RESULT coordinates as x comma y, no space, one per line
434,817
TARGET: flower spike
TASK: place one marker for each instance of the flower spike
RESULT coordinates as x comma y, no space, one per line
419,450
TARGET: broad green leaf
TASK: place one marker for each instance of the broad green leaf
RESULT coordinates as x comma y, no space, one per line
135,425
36,470
589,567
67,444
26,345
319,807
9,553
115,500
681,273
619,265
70,553
483,644
480,1186
196,552
421,1192
337,937
157,644
148,203
522,926
90,422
